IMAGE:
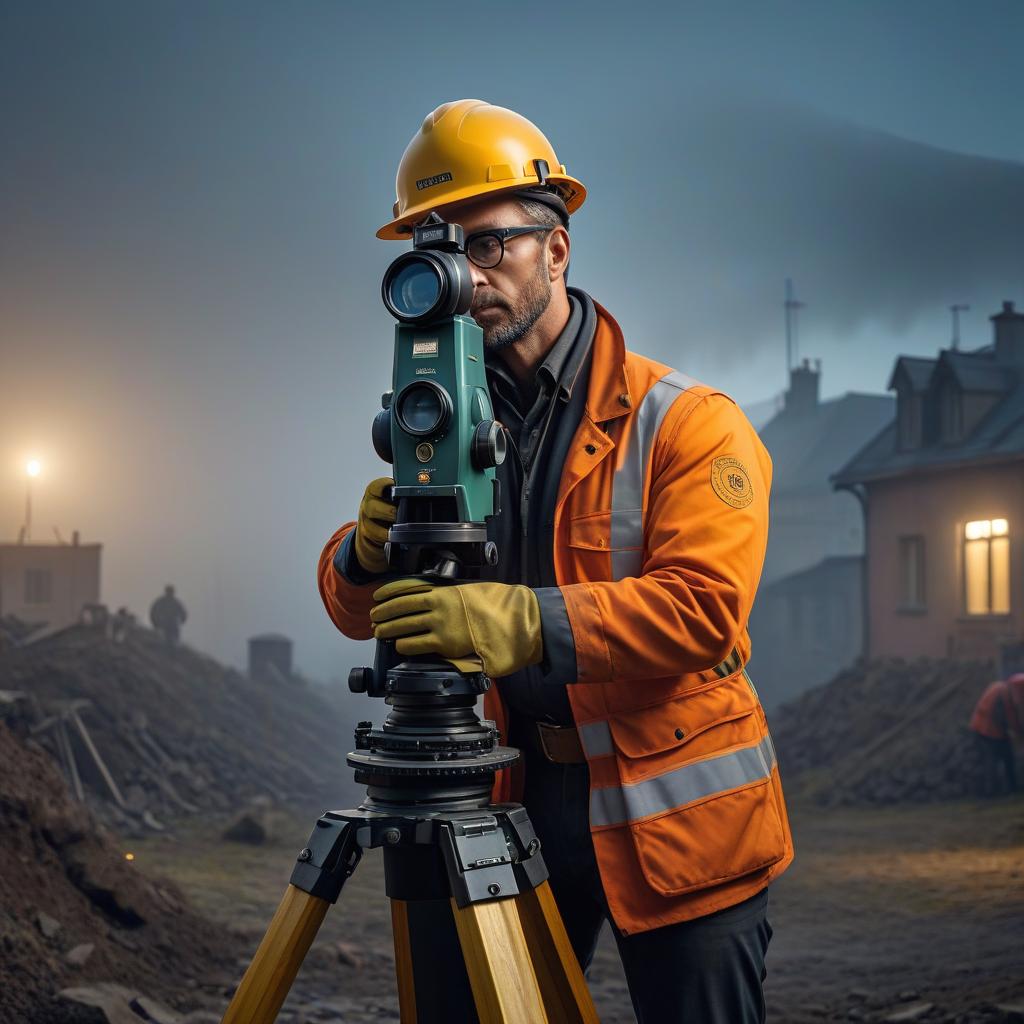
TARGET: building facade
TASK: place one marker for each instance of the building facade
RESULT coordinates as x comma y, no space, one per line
942,489
49,583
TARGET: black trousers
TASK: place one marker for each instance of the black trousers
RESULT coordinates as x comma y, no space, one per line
706,971
995,754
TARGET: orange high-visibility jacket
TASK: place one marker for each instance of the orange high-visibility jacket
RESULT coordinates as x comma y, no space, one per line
660,532
996,715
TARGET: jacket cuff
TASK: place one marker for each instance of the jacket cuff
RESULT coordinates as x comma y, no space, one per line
347,566
558,665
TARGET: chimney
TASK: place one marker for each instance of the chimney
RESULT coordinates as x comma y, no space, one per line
802,395
74,538
1008,327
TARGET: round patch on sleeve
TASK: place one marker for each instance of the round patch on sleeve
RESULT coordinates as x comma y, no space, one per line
731,481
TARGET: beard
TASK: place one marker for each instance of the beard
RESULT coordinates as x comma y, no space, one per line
519,319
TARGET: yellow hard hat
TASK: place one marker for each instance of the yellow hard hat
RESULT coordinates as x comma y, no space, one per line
470,148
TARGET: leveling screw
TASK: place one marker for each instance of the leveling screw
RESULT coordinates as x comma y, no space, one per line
392,836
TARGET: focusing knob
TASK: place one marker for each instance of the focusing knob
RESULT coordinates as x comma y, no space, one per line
359,679
488,448
380,432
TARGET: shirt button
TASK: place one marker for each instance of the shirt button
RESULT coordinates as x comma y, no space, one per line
590,449
680,734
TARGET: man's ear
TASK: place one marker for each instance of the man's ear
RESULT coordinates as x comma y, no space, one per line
558,252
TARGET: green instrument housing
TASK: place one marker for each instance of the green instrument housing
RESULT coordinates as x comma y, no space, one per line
449,355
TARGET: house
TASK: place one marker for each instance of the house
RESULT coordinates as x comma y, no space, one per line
49,583
942,492
806,615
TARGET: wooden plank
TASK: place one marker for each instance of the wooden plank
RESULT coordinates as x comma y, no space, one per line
501,974
403,962
561,981
68,757
266,983
91,747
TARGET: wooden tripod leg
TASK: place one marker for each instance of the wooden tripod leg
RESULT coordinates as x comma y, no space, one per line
403,962
501,974
562,985
270,975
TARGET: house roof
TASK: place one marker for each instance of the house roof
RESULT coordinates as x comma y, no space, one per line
917,369
807,446
999,436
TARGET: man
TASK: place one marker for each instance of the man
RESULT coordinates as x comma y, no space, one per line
168,615
631,542
996,724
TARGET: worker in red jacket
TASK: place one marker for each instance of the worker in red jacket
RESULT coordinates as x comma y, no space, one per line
615,624
996,724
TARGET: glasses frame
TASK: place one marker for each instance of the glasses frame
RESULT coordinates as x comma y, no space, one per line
501,234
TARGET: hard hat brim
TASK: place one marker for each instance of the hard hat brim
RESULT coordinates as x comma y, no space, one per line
392,232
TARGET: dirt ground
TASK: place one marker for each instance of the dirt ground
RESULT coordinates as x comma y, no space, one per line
883,912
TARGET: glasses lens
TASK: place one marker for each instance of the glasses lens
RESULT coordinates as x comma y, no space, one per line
415,288
484,250
421,410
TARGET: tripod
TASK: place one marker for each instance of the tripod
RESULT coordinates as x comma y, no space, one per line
429,773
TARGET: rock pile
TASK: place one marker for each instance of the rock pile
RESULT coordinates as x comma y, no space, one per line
882,732
73,909
177,731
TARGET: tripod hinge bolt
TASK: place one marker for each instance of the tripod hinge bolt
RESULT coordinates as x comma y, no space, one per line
392,836
305,855
533,846
494,889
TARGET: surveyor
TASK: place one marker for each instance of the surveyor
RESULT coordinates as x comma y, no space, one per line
631,539
168,615
997,722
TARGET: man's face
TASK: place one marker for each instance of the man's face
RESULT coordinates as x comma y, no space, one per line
510,298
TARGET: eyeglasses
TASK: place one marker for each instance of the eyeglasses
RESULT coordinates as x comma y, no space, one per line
487,248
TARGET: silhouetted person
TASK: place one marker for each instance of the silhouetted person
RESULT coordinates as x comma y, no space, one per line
996,723
167,615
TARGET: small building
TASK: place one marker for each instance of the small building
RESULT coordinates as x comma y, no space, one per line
49,583
270,658
804,626
942,492
807,628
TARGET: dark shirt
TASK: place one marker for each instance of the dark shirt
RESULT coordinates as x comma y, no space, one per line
540,419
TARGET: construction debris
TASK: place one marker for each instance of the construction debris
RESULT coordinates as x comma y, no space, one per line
75,910
146,732
882,732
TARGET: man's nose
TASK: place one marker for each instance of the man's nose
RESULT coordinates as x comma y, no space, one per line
477,275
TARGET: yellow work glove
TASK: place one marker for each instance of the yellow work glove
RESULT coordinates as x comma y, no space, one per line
375,516
498,622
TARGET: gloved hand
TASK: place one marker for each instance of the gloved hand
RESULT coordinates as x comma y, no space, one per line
375,516
497,621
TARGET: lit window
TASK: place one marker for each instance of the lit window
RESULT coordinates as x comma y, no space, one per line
987,567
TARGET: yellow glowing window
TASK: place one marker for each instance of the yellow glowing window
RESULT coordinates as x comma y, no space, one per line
987,567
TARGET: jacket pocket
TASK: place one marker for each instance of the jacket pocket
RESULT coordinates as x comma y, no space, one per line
697,791
607,545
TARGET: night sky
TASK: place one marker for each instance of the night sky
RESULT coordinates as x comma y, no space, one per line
191,334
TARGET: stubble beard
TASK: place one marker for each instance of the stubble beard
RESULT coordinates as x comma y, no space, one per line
519,319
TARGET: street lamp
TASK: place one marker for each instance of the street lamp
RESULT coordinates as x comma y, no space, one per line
32,469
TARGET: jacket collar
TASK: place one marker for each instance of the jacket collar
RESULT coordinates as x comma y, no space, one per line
608,395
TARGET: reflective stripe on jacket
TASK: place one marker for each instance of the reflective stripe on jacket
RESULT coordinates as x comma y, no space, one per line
660,531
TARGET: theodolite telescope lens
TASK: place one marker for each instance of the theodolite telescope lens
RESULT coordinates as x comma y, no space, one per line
424,409
414,288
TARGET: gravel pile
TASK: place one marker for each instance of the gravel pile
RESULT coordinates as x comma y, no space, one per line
882,732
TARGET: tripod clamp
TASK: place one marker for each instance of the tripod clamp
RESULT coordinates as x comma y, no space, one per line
488,854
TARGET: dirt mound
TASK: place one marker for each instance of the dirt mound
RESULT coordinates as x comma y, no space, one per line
74,910
884,731
177,731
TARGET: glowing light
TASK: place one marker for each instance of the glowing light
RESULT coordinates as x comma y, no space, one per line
33,467
1000,528
129,856
978,529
